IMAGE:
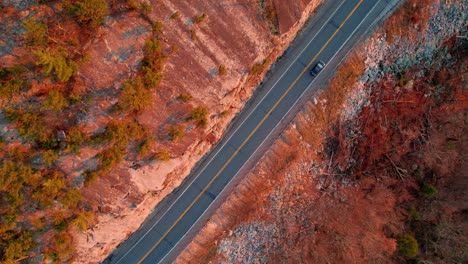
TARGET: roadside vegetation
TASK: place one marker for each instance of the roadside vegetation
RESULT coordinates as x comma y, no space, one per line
401,155
41,99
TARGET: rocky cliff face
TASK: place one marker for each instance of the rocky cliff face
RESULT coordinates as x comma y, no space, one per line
357,187
235,35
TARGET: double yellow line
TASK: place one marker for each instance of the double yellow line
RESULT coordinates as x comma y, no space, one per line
250,135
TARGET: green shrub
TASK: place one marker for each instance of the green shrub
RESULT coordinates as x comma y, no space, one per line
54,185
11,87
55,101
414,213
62,247
174,49
198,114
11,114
71,198
176,132
50,156
3,73
200,18
260,67
39,223
74,139
18,153
135,97
407,246
222,70
120,132
151,78
152,46
36,32
145,8
153,56
163,155
145,147
19,246
56,62
157,27
91,175
428,190
185,97
91,12
83,220
224,113
14,176
31,127
111,157
175,15
132,4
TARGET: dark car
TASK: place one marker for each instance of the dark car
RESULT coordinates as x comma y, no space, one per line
317,68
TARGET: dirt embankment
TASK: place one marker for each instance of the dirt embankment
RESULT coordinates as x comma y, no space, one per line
371,173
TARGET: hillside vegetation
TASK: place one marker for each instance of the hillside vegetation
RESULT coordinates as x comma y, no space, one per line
373,170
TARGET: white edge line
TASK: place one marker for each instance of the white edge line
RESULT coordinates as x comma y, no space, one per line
259,146
233,133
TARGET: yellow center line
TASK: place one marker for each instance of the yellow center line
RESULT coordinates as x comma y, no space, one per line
250,135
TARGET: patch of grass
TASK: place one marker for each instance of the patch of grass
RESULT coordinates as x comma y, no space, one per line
412,12
157,27
18,246
111,157
176,132
184,97
55,101
175,15
407,246
132,4
199,115
151,78
414,213
56,62
59,221
135,96
11,114
90,12
36,34
224,113
222,70
200,18
91,175
272,17
153,46
163,155
259,67
54,185
12,86
62,248
39,223
50,156
74,139
83,220
145,8
121,132
145,147
428,190
31,126
71,198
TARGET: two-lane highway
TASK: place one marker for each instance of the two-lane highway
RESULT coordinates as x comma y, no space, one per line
159,238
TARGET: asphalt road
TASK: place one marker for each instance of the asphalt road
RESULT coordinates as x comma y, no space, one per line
335,29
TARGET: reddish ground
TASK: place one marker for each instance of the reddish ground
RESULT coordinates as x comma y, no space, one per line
348,198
